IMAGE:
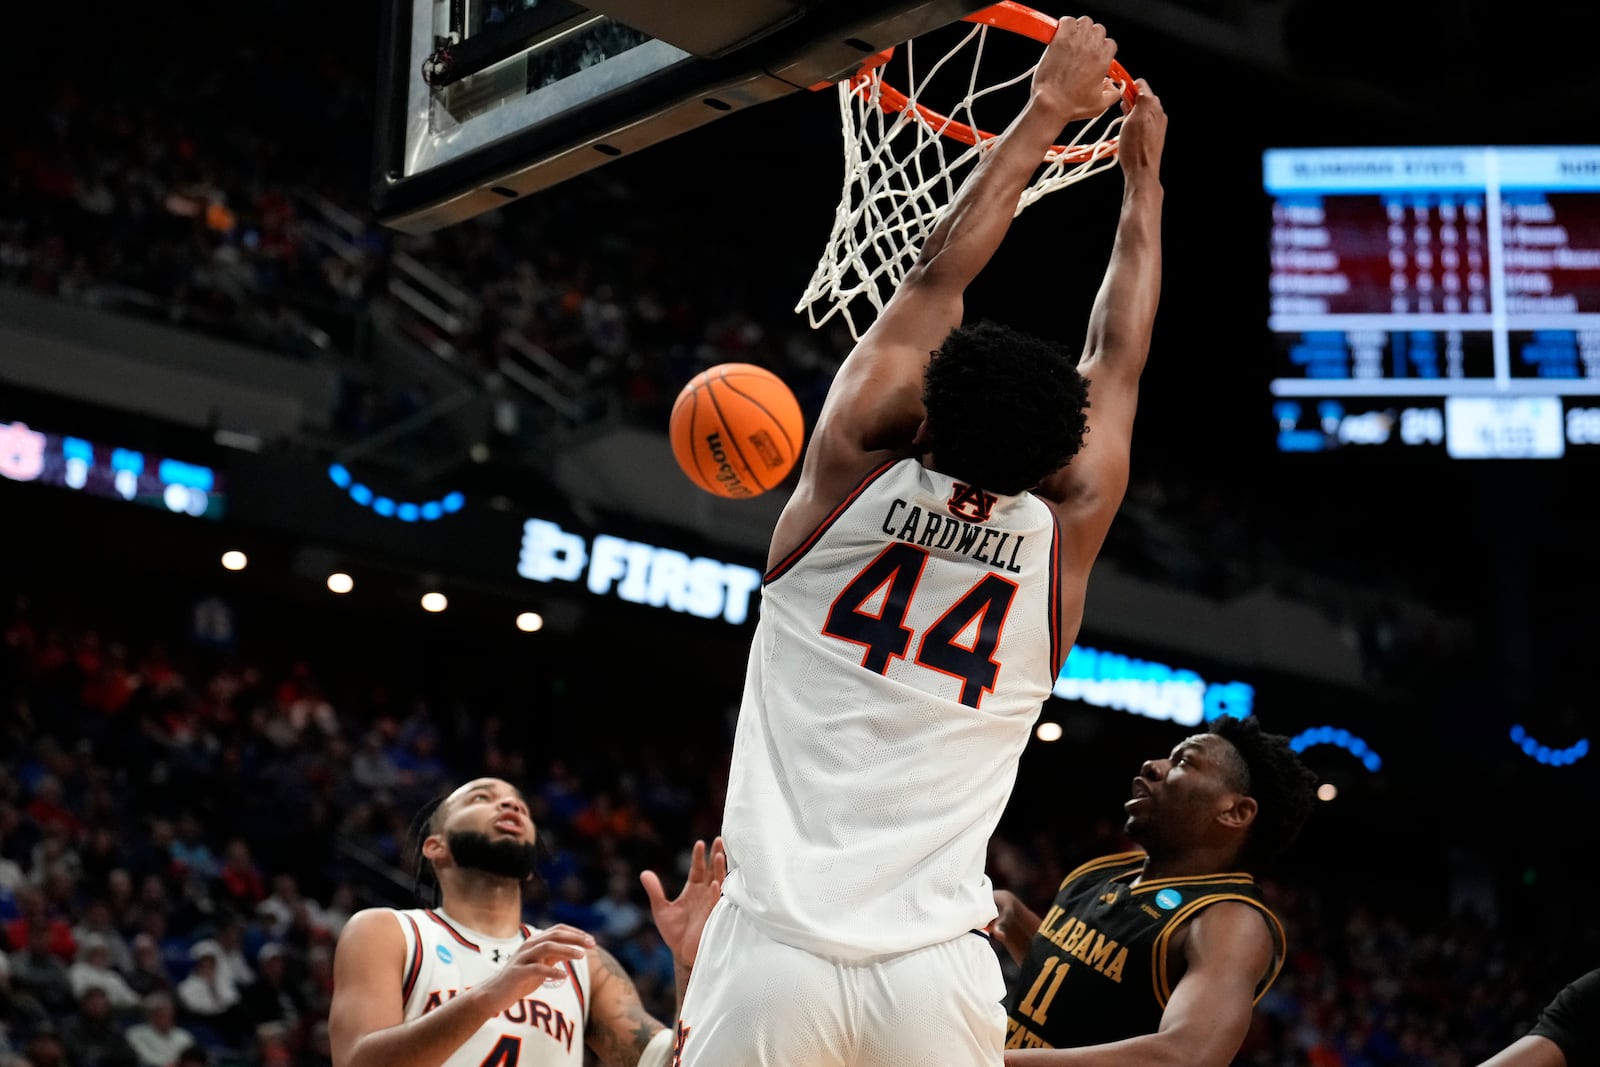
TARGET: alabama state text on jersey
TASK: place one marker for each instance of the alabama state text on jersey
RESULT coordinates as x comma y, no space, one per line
444,959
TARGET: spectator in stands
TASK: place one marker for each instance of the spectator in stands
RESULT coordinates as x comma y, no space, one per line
620,916
208,996
34,927
40,971
93,970
95,922
159,1039
341,905
93,1038
190,851
230,939
572,905
371,765
44,1048
286,906
11,876
149,974
240,879
274,997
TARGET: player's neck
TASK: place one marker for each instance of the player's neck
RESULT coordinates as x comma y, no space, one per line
492,906
1189,864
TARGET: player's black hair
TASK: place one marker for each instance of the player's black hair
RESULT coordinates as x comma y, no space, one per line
1284,788
422,827
1005,409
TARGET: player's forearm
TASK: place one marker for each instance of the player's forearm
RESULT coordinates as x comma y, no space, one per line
1019,931
424,1042
972,227
1125,307
1153,1050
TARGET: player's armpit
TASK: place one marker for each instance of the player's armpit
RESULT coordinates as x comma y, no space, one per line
619,1028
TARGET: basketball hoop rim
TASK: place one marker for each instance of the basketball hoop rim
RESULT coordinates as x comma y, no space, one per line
1012,17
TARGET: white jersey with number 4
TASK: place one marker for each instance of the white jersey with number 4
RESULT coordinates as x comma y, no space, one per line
902,656
445,958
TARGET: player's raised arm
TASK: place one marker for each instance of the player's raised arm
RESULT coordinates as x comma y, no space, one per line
875,402
1091,487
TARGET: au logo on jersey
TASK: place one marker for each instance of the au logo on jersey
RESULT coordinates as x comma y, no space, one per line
971,503
443,953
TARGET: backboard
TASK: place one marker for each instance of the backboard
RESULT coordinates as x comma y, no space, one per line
485,101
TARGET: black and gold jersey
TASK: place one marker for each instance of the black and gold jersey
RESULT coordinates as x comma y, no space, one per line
1098,969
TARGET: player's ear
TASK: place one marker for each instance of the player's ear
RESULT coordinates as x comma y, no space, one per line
434,848
1240,814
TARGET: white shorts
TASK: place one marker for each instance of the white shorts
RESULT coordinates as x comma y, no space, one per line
755,1002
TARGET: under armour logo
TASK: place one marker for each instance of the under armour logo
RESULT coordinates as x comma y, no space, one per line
497,955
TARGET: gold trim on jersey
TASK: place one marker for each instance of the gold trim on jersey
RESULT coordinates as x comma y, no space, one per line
1101,863
1158,970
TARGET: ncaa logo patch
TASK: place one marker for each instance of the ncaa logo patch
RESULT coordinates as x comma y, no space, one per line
443,953
1168,899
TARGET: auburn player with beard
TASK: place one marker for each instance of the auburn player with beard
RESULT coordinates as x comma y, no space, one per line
469,984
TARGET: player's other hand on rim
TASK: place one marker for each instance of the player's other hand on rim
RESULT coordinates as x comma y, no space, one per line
1073,75
540,958
1143,133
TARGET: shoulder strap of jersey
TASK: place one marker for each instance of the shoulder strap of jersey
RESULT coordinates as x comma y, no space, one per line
1118,859
413,965
1158,970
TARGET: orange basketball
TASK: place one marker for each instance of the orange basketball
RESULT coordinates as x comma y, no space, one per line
736,430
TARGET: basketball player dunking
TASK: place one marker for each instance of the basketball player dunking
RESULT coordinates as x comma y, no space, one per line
924,584
467,984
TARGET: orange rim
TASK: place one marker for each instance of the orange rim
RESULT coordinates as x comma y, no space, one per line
1013,18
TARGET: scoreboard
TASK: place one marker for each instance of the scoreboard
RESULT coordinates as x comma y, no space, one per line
1436,299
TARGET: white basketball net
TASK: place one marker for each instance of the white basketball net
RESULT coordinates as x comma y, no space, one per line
900,173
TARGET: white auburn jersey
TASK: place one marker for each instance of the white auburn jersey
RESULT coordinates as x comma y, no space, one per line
901,658
444,958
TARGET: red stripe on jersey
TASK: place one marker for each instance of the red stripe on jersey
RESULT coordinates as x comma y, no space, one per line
416,961
453,932
794,557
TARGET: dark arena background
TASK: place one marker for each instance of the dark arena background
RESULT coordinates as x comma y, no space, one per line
305,517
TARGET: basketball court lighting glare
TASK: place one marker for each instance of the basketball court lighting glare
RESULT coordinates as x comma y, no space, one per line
339,582
1048,731
530,621
434,602
1327,791
234,560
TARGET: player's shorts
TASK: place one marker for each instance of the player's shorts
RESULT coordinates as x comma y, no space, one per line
756,1002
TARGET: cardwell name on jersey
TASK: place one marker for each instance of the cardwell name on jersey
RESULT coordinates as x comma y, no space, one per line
531,1012
997,548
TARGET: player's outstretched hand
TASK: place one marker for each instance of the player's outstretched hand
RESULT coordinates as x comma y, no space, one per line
539,959
681,920
1143,134
1074,74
